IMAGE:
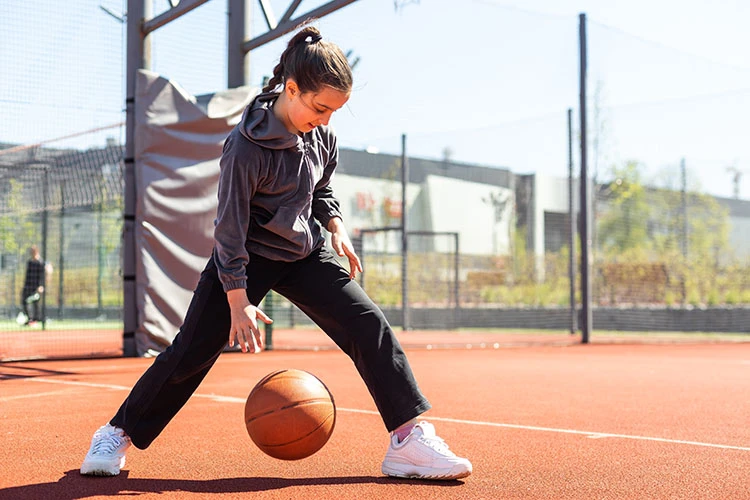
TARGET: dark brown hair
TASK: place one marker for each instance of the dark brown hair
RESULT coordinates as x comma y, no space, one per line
313,63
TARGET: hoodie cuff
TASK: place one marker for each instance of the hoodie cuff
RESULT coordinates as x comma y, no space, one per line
326,218
233,285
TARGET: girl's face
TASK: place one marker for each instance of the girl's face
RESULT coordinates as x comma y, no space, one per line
305,111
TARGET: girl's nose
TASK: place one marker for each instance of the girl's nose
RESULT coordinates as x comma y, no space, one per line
326,118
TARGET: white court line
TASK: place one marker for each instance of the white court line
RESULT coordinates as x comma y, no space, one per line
35,395
589,434
82,384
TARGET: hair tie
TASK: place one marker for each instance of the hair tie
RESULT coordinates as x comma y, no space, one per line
314,38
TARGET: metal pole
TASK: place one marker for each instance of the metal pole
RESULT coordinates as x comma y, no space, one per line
684,239
286,25
572,234
404,236
586,315
456,275
362,260
61,261
99,254
238,22
138,57
181,8
45,225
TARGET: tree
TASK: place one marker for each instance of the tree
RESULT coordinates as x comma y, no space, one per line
623,224
659,244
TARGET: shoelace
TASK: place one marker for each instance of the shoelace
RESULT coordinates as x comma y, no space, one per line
107,444
437,444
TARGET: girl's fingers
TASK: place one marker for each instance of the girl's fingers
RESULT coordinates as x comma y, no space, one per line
254,339
250,337
256,345
240,337
354,266
246,332
241,341
251,343
263,317
232,336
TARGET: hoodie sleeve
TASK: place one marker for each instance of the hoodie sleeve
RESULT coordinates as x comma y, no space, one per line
324,205
238,180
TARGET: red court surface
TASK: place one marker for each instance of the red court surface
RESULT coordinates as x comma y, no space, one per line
598,421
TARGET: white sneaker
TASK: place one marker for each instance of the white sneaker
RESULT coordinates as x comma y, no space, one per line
107,453
423,455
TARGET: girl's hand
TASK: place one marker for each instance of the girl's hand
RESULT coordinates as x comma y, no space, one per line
342,245
244,328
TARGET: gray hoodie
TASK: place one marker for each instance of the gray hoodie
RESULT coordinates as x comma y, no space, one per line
272,183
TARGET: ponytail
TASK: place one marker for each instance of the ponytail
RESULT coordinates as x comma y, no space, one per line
312,62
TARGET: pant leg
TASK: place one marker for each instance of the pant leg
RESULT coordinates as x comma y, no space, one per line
35,307
178,371
25,305
322,289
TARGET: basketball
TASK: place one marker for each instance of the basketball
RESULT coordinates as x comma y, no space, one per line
290,414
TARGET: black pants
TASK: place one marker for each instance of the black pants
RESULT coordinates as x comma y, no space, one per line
35,305
321,288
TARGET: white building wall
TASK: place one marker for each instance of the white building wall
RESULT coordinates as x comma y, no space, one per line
440,204
550,195
368,203
480,213
739,228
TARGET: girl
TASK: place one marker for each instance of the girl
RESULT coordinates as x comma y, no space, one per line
274,180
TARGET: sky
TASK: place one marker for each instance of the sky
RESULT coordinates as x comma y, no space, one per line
480,81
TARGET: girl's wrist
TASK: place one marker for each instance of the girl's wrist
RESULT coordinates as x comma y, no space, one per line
237,296
334,224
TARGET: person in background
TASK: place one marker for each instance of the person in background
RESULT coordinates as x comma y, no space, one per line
33,286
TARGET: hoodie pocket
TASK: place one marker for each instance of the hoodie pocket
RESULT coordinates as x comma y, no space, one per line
287,225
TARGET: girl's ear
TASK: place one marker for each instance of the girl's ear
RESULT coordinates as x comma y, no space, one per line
291,89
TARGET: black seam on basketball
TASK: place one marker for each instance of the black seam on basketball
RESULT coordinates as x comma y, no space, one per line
296,404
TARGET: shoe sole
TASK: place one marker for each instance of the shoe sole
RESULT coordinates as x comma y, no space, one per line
99,472
102,468
413,472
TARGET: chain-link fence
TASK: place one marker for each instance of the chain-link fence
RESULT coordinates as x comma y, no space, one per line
61,210
670,235
61,99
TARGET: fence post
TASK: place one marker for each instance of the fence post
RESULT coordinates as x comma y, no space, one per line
572,233
45,227
404,237
586,316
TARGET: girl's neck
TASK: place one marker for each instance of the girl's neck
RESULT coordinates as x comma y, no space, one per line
279,110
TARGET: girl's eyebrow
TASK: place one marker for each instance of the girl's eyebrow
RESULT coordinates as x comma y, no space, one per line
323,106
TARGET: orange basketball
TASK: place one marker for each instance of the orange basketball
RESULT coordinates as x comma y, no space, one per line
290,414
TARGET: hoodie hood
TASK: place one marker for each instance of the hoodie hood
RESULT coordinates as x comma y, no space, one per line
260,125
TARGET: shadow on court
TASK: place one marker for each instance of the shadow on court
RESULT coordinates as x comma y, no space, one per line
10,371
73,486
